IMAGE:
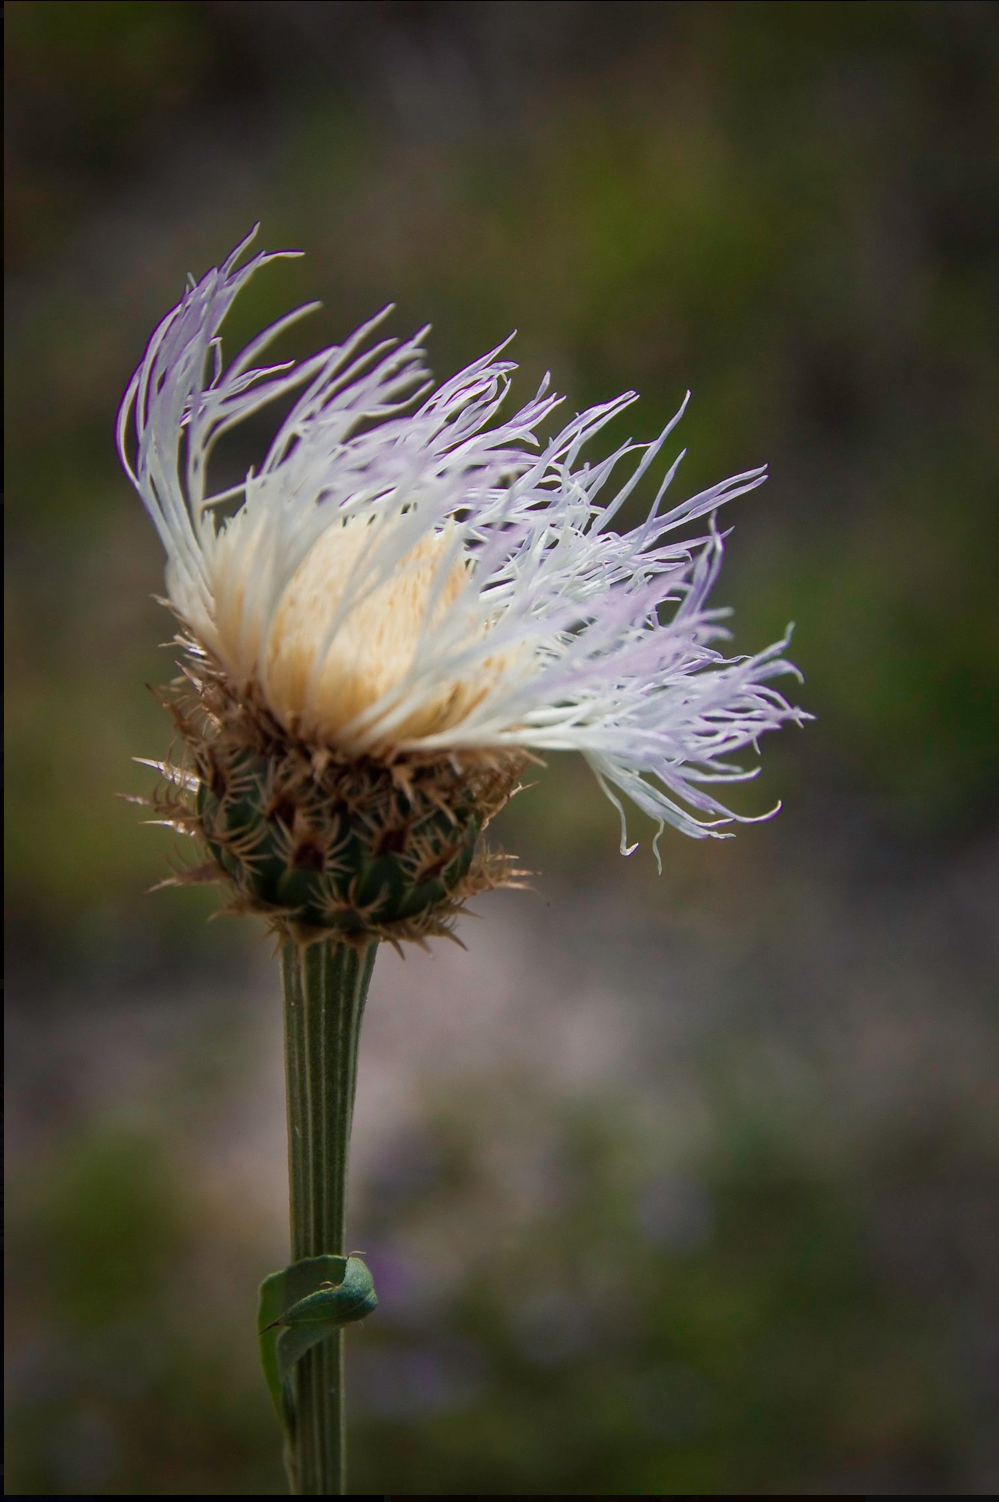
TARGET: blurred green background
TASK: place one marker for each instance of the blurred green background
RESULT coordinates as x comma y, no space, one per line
680,1184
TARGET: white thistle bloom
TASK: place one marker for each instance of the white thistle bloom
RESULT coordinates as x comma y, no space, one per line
410,574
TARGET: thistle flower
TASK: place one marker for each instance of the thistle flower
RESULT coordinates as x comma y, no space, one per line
410,599
406,602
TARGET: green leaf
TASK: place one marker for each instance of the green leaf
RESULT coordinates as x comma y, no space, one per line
301,1306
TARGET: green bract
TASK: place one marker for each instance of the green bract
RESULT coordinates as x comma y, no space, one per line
319,843
349,851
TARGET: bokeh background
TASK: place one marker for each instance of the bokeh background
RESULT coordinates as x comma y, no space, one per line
678,1184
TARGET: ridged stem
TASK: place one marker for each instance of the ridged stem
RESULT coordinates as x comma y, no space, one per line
325,986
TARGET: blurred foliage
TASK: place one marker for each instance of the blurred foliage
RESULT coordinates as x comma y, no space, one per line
735,1324
791,207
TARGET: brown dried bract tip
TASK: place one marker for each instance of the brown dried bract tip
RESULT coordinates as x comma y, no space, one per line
318,844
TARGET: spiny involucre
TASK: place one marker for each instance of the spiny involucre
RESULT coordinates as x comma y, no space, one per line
409,598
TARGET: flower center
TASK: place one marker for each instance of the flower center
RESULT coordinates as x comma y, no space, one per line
345,658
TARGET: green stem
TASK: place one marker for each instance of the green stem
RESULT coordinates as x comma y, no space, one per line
325,987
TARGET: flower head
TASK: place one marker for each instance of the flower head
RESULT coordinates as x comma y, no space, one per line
414,592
